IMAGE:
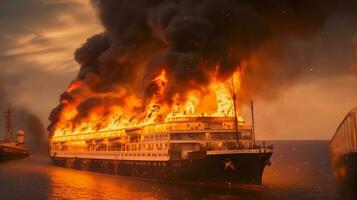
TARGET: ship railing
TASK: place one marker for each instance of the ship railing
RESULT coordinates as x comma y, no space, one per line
116,154
118,134
242,147
199,118
175,154
149,129
196,154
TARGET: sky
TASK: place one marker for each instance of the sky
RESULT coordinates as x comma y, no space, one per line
38,39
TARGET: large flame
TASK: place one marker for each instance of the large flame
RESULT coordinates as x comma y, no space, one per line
213,100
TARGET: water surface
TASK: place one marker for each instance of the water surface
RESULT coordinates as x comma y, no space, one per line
299,170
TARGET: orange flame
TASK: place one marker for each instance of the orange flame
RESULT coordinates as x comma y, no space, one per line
214,100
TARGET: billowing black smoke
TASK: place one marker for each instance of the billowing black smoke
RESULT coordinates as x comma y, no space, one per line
189,39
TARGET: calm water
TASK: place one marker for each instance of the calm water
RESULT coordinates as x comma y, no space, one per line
300,170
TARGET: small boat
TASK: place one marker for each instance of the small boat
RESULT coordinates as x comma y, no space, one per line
12,149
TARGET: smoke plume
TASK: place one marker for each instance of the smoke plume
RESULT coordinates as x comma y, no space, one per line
192,41
34,129
23,119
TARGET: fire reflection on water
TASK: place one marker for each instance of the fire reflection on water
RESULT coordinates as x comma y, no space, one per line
36,178
74,184
78,185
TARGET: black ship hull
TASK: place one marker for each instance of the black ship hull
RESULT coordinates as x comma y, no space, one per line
345,170
10,151
242,168
6,155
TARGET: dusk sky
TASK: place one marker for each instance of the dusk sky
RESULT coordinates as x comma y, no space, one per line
38,39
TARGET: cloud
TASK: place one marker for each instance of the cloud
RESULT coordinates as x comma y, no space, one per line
37,42
310,109
46,33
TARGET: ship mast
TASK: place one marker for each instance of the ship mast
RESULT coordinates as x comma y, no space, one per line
235,112
8,132
253,125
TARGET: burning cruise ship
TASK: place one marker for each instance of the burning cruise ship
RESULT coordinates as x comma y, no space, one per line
183,142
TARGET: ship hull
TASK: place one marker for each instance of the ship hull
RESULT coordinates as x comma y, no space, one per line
243,168
13,155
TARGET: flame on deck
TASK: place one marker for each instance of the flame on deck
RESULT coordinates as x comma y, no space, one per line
215,101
